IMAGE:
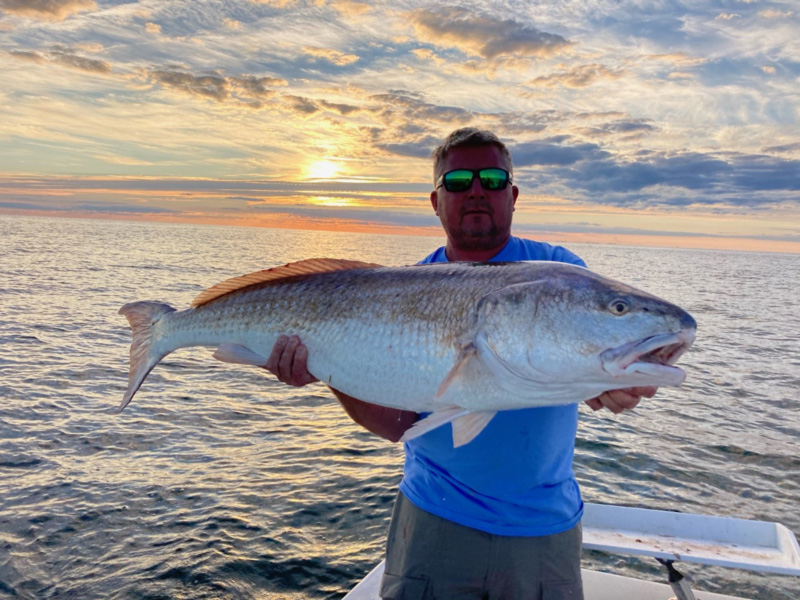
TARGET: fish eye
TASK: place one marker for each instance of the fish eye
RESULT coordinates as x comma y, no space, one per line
619,307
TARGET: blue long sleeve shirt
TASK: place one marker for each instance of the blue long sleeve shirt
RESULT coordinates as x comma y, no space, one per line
515,478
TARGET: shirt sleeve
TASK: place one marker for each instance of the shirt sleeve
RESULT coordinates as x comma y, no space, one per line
561,254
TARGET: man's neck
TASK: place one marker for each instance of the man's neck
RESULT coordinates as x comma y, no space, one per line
455,254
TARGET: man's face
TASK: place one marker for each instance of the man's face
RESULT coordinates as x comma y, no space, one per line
475,219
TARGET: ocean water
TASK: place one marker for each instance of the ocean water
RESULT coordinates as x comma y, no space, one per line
219,482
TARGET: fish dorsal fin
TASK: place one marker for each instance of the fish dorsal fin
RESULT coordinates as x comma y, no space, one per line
277,274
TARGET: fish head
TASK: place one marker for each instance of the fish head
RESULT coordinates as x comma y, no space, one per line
577,333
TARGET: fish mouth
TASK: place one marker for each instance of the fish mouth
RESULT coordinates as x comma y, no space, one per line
650,361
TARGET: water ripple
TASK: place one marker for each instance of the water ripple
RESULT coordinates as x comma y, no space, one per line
219,482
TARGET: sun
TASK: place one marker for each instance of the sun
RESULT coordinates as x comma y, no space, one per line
322,169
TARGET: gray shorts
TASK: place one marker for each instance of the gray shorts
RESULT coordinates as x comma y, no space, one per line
428,557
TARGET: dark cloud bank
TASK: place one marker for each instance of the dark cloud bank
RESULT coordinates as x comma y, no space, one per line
658,178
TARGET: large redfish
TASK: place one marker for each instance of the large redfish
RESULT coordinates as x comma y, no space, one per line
458,340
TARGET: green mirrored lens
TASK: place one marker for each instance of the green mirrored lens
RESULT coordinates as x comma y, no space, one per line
458,181
493,179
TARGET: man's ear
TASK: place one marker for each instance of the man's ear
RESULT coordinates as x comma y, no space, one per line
514,194
435,202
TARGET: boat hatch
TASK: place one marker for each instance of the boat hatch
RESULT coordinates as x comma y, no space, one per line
728,542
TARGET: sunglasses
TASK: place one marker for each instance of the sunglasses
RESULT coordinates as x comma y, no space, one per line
460,180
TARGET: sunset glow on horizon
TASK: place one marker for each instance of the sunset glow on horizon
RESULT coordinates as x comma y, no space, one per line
629,123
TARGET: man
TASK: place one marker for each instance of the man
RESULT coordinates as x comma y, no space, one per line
500,516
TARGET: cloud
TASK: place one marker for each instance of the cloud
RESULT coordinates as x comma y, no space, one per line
728,16
348,8
627,129
276,3
65,58
213,86
333,56
299,105
678,59
522,124
93,47
414,108
762,173
152,28
784,148
553,153
119,159
418,149
100,208
80,62
90,207
28,188
29,206
775,14
216,86
578,77
246,90
690,170
491,68
427,54
476,34
411,126
49,10
661,177
257,88
584,227
27,55
368,216
342,109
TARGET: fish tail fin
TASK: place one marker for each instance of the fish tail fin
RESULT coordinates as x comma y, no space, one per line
142,317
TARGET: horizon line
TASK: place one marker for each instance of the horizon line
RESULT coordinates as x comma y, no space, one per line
685,241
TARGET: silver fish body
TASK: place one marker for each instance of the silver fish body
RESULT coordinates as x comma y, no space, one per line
458,340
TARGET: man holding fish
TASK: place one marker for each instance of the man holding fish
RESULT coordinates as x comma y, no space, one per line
501,514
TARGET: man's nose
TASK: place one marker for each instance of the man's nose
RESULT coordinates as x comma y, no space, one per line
476,189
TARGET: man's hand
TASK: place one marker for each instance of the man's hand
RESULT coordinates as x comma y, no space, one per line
288,362
618,400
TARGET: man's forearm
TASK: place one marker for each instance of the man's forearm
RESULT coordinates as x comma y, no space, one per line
389,423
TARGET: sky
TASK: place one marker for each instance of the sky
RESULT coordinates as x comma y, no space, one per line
650,122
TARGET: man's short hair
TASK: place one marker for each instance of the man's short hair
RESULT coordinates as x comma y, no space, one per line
464,138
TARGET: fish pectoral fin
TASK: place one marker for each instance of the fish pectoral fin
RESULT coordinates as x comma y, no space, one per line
462,365
442,415
467,428
240,355
466,425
